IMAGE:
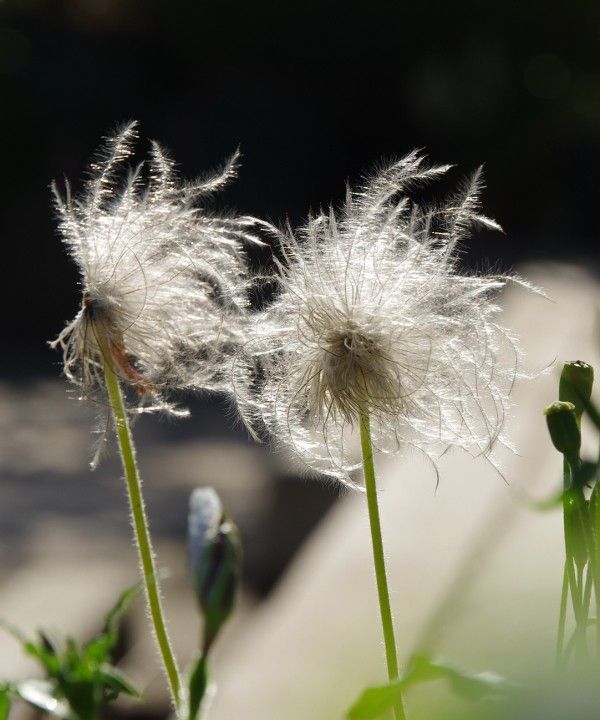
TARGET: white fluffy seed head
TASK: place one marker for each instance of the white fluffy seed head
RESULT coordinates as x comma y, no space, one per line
163,281
373,315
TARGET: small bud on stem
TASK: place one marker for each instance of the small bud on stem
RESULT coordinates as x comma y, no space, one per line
215,560
575,386
564,430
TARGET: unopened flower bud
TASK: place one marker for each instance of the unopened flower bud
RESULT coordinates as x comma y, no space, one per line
215,560
575,386
564,430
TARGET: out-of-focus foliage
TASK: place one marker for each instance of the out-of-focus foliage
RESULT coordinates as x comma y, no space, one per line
79,679
376,701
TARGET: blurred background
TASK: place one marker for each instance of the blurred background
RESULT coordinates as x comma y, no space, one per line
316,94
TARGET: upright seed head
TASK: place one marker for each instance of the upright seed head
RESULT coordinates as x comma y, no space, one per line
373,314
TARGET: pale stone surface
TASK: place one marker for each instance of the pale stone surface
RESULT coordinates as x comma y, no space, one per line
475,572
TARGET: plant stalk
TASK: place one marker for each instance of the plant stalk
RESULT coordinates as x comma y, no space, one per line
378,557
562,616
141,530
595,519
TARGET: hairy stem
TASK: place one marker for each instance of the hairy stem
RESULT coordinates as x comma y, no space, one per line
142,533
378,557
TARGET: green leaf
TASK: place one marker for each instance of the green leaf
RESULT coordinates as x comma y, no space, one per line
111,622
42,694
116,682
375,701
99,648
46,644
28,645
478,686
80,680
551,503
4,702
198,680
585,474
43,653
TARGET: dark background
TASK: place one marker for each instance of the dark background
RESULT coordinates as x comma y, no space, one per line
315,93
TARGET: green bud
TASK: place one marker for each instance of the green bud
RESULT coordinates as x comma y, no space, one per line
215,552
575,386
564,430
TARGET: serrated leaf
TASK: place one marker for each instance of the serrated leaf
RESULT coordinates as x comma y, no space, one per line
375,701
41,694
198,680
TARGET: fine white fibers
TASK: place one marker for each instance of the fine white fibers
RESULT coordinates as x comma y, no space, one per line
163,282
373,314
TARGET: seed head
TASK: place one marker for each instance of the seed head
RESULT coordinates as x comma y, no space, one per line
373,314
163,282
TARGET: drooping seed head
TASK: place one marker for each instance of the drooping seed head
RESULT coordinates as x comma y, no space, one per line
163,280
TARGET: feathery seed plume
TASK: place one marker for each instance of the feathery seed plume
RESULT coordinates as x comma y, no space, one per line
163,282
373,314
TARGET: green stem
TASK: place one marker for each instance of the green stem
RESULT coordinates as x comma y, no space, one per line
562,616
569,562
587,595
595,523
142,533
571,645
574,535
576,594
591,542
583,616
378,557
586,525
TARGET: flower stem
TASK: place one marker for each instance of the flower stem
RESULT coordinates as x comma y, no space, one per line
562,616
142,533
595,520
378,557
